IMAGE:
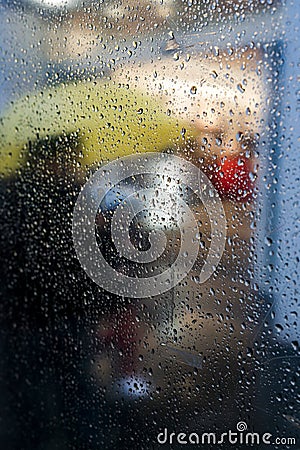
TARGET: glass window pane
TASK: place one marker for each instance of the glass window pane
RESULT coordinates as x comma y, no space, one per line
149,213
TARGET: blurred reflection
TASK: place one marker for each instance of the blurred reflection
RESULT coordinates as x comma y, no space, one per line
82,368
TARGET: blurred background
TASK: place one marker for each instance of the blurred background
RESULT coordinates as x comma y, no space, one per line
83,83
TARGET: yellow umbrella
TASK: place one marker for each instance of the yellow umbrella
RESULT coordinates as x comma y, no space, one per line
109,119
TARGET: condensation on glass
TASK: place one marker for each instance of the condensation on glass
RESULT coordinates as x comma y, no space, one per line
209,83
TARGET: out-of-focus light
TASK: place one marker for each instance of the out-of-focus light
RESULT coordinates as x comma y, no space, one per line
133,387
55,3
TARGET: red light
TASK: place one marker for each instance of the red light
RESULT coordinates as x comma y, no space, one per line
232,178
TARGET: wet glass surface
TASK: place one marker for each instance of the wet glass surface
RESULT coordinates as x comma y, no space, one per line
94,359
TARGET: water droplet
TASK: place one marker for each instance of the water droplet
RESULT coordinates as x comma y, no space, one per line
295,345
268,241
